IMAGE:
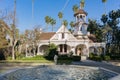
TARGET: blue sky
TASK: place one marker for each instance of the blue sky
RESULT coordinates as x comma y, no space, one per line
42,8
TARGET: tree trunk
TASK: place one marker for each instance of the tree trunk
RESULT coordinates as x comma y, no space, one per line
13,53
52,28
26,51
19,49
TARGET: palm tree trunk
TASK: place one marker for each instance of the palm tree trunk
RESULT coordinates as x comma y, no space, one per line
52,28
105,7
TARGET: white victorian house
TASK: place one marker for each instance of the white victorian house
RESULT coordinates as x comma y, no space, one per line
78,41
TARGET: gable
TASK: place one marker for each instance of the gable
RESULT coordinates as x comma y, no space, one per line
63,31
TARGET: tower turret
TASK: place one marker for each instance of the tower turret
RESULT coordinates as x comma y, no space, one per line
80,21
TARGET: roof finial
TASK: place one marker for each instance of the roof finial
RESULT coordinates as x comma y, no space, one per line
82,3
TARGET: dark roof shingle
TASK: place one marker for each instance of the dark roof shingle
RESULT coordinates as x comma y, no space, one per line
46,35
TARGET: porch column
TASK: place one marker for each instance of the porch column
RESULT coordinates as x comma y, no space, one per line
38,50
88,52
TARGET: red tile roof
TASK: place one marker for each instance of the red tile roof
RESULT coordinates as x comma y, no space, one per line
46,35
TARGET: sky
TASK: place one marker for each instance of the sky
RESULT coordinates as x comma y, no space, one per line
42,8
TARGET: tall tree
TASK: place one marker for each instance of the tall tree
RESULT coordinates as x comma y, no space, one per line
104,1
106,28
75,8
72,25
60,16
94,28
111,26
52,22
82,4
65,22
3,34
47,20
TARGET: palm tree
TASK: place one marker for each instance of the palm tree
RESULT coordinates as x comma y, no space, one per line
104,1
82,4
72,24
52,22
60,15
75,8
47,20
65,22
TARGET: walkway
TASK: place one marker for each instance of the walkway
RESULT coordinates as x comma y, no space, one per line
98,64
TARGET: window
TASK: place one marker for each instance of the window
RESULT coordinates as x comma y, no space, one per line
65,48
80,16
61,46
63,36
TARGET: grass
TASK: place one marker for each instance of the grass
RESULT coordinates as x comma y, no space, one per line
25,61
38,59
35,59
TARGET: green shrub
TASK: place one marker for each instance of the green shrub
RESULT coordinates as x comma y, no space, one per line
107,58
52,50
20,55
102,56
76,58
97,58
9,58
92,55
64,57
115,56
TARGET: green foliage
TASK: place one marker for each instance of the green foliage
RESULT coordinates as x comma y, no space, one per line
107,58
34,58
82,3
64,61
111,31
76,58
94,28
104,18
91,55
75,8
47,19
60,15
52,50
72,24
64,57
3,34
19,55
65,22
104,1
115,56
9,58
95,57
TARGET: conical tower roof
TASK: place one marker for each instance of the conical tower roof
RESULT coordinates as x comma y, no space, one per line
80,11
